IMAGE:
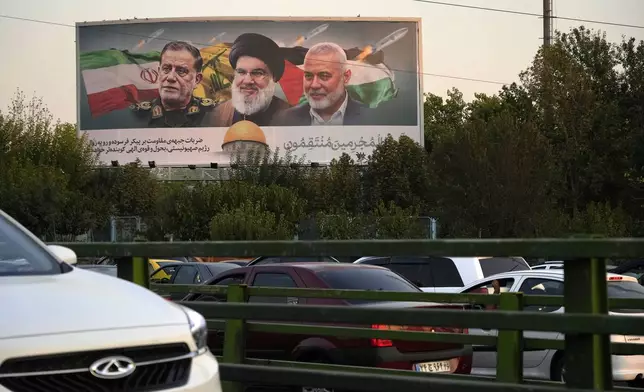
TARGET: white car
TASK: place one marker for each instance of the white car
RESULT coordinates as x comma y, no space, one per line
446,274
66,329
548,364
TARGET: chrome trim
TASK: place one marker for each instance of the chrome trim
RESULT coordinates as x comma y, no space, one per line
192,354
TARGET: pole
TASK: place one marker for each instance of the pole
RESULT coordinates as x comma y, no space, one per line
547,22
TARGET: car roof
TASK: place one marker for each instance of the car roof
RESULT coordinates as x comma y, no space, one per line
551,273
321,266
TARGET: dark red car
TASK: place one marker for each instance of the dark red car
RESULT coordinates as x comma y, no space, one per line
420,356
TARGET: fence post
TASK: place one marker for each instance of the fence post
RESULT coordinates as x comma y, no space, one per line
587,356
509,358
134,269
235,337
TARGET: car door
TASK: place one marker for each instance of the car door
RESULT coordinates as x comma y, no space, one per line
484,359
273,345
185,274
539,286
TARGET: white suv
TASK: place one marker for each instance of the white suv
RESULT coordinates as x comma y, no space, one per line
446,274
66,329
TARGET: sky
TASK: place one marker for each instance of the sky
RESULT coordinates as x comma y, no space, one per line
456,42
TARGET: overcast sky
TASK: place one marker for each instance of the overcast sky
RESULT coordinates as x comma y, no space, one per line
40,58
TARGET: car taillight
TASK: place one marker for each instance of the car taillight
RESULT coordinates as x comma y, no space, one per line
389,343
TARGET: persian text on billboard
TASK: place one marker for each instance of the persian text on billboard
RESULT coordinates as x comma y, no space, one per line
195,92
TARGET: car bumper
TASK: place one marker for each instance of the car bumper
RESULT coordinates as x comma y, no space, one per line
627,367
391,358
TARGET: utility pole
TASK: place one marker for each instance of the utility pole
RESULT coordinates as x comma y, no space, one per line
547,22
547,38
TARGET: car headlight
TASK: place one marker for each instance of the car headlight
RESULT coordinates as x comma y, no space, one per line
198,329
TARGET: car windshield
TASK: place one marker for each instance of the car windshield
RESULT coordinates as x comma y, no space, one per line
21,255
374,279
496,265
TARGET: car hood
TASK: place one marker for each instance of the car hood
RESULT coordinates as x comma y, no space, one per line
79,301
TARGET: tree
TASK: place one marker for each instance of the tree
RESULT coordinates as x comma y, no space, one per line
399,171
577,80
249,221
494,176
46,172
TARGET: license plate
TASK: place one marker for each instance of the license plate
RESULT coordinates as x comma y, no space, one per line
433,367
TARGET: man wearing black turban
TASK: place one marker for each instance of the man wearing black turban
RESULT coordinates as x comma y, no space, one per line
258,65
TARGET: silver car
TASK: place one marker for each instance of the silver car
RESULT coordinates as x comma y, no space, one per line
548,364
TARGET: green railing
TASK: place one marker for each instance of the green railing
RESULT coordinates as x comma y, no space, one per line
586,323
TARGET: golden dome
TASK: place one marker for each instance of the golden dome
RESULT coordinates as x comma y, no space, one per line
246,131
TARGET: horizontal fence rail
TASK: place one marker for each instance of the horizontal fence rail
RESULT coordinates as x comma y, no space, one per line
555,247
446,298
586,325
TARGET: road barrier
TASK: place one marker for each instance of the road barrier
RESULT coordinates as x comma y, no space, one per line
586,323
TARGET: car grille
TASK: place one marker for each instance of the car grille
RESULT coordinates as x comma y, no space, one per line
158,367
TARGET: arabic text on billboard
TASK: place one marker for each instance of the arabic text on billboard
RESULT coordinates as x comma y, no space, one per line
195,92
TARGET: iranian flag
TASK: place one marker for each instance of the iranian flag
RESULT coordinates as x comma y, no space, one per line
115,79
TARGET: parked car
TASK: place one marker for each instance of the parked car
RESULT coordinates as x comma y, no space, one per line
67,329
446,274
548,364
188,273
291,259
419,356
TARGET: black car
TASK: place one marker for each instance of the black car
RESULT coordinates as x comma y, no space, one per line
188,273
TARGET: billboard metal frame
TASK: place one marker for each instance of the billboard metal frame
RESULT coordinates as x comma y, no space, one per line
286,19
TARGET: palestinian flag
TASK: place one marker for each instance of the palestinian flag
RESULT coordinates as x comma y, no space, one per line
115,79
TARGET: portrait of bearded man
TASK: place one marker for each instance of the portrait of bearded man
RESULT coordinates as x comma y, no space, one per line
258,65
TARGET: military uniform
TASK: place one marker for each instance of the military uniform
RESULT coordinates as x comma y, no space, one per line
194,114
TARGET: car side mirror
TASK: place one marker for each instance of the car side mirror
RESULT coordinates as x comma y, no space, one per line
63,254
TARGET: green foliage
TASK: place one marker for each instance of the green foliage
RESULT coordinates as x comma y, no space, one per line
249,221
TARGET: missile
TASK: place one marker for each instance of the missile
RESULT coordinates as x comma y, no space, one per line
216,38
318,30
383,43
150,38
390,39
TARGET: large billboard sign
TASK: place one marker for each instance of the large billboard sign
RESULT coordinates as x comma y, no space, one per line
194,91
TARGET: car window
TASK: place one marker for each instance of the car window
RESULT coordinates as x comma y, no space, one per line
163,275
539,267
496,265
381,261
187,274
374,279
488,288
271,279
540,286
427,271
228,280
21,255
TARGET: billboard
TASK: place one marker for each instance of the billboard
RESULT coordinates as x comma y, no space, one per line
196,91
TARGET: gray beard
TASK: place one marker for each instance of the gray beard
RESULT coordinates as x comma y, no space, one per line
261,101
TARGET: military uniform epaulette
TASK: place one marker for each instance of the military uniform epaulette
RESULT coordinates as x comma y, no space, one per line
192,115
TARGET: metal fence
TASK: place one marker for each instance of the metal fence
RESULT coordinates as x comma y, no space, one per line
586,324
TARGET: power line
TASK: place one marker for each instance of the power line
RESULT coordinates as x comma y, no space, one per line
474,7
203,44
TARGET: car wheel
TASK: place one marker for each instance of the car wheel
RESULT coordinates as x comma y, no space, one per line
559,370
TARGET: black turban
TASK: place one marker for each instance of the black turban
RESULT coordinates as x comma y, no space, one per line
261,47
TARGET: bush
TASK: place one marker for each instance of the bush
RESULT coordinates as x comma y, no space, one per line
248,222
